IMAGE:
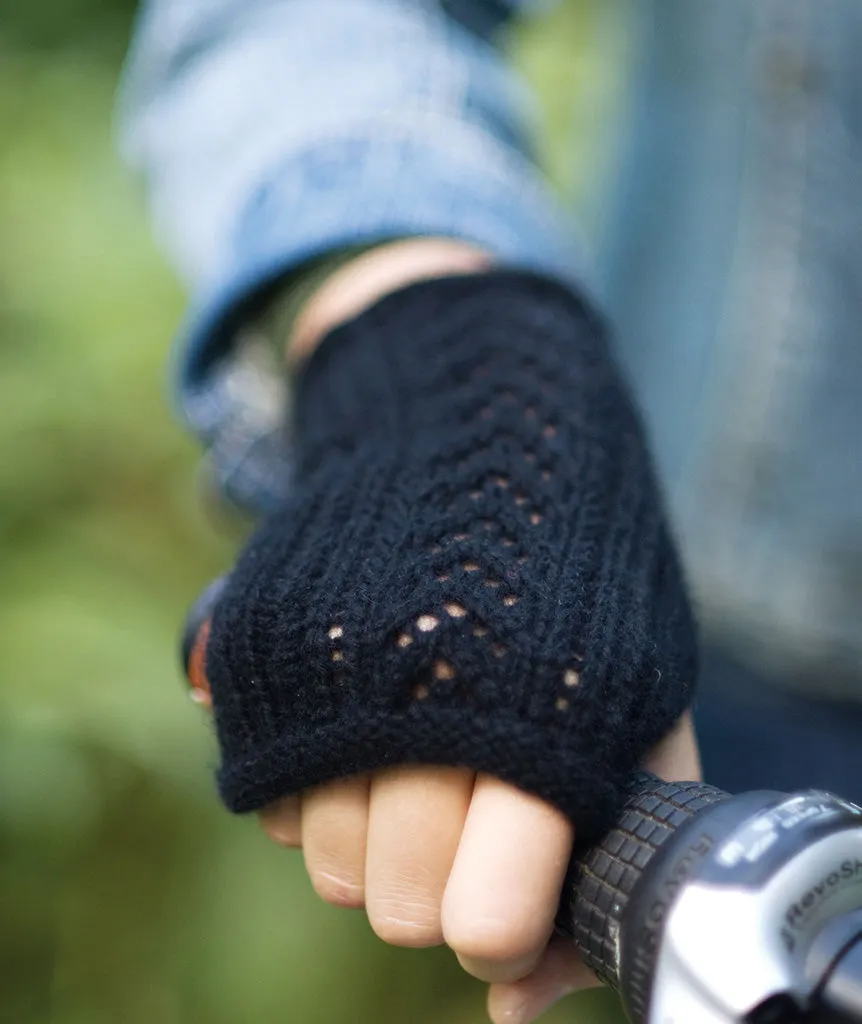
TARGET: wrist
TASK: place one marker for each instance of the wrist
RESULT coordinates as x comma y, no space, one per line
356,285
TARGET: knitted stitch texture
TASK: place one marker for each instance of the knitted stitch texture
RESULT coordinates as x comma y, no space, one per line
473,567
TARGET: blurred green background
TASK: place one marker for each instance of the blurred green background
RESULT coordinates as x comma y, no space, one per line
126,895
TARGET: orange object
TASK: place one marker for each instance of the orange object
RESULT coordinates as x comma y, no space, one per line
200,687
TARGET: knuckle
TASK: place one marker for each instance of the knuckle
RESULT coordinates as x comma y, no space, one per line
490,941
281,821
338,891
282,833
414,925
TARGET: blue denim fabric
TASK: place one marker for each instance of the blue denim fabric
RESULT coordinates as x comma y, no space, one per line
730,254
733,267
272,132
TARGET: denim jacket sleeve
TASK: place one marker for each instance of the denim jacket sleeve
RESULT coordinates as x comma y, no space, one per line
270,132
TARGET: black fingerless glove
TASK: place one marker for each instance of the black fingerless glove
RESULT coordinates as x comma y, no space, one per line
473,567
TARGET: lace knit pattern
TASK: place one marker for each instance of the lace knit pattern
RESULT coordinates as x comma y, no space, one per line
473,567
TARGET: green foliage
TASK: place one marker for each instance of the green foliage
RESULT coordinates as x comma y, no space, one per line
53,24
127,895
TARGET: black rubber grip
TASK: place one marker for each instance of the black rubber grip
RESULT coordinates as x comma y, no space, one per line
602,880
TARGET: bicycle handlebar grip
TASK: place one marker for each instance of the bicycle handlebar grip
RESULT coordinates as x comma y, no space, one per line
602,879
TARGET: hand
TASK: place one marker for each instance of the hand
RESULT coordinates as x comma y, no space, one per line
440,855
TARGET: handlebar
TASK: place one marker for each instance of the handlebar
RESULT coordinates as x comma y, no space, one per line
703,908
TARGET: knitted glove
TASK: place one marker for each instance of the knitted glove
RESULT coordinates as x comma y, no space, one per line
473,567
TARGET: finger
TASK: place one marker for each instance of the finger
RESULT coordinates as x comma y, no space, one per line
281,821
416,818
503,892
559,973
334,834
676,758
